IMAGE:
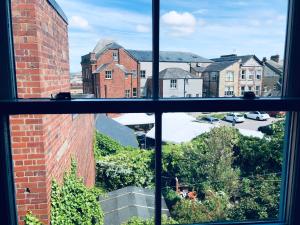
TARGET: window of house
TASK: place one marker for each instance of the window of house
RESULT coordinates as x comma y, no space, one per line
229,90
242,90
249,88
143,73
108,74
213,76
173,84
251,74
257,90
183,171
258,74
229,76
243,74
134,92
115,56
127,93
197,95
188,95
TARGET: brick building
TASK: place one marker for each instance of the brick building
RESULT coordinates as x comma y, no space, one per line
110,72
43,145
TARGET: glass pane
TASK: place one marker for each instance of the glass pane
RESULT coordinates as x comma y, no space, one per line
82,47
222,166
222,48
83,168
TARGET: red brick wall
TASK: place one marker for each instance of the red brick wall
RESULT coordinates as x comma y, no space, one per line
44,144
119,83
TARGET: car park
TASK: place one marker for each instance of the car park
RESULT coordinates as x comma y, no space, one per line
257,115
234,117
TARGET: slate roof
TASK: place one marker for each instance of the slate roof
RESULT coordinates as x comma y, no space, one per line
123,134
175,73
218,66
234,57
167,56
123,68
100,68
276,67
111,46
121,205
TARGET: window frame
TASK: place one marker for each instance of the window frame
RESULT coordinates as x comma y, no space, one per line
106,74
10,105
173,84
143,73
229,76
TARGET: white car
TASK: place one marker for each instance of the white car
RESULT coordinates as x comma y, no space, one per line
256,115
234,117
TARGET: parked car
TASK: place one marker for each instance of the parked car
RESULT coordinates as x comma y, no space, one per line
211,119
256,115
276,113
234,117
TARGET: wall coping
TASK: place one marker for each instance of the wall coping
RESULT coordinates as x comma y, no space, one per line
58,9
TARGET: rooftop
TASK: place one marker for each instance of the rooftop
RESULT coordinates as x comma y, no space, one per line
122,134
219,66
121,205
167,56
234,57
175,73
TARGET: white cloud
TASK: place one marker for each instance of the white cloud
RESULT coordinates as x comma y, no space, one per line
180,24
142,28
79,22
200,11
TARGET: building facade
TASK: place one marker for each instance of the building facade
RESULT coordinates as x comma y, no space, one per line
272,76
177,83
221,79
250,73
110,72
132,68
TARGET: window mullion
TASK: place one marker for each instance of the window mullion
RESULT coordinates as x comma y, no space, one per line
8,212
158,166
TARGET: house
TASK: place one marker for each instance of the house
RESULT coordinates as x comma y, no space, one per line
121,205
250,73
272,76
221,79
120,133
167,59
177,83
110,72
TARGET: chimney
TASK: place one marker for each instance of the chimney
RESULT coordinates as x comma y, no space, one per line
275,58
264,59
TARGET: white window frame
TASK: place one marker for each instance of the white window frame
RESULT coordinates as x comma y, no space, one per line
143,73
108,74
229,76
228,90
173,84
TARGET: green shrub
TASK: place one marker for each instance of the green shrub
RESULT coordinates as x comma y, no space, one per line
139,221
213,208
31,219
126,168
105,145
73,203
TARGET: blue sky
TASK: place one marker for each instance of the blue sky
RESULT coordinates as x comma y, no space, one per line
209,28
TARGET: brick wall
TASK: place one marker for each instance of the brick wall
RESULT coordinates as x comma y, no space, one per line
44,144
115,87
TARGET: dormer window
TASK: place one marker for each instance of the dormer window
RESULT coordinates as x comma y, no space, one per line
115,56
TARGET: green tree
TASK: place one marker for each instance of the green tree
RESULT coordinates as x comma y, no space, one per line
213,208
